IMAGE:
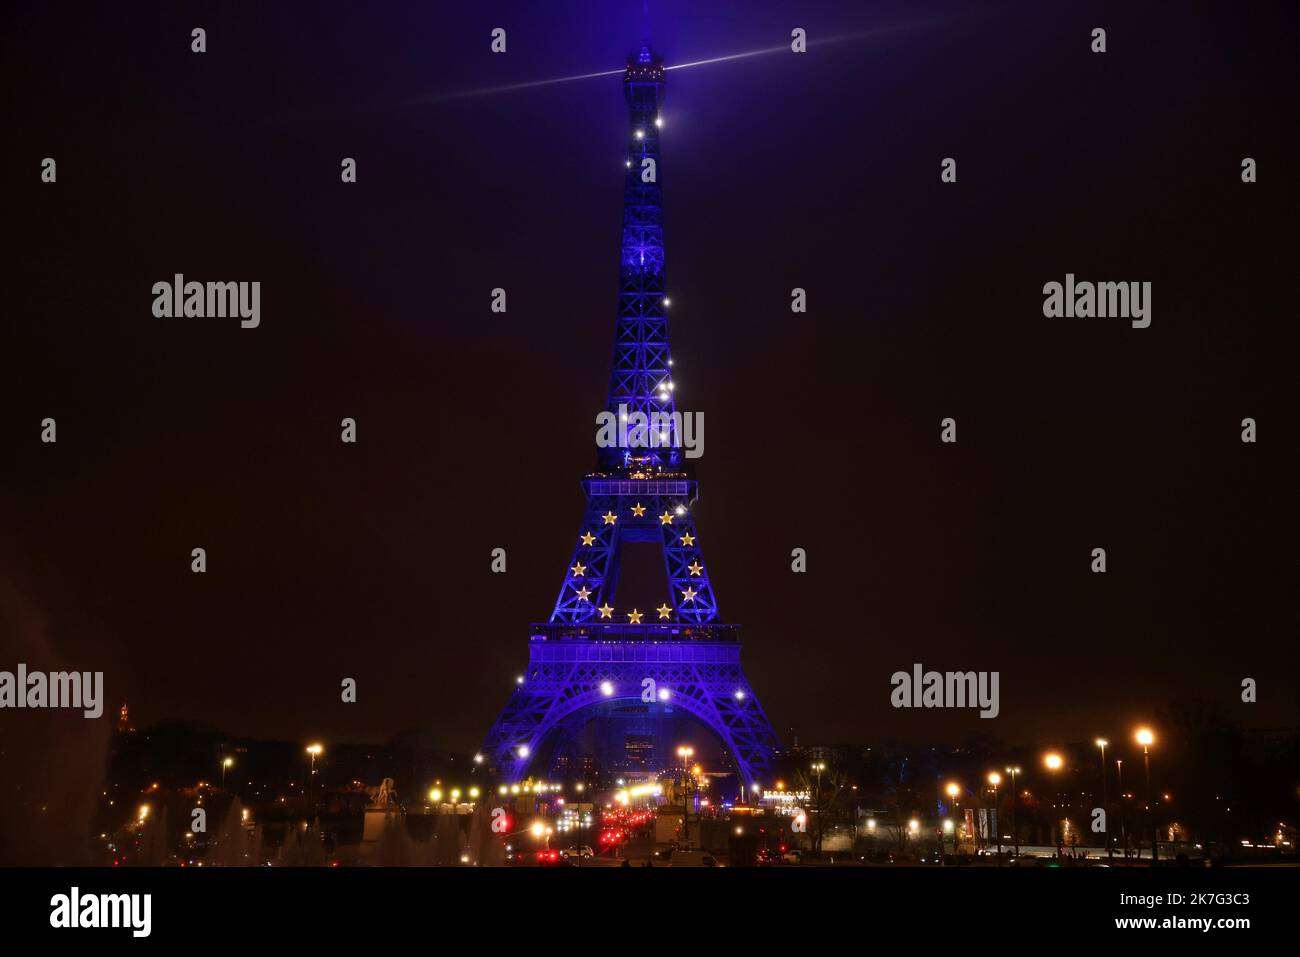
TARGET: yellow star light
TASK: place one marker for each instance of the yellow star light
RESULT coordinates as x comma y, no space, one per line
634,617
605,610
688,539
588,538
610,518
579,570
664,610
689,594
638,509
695,568
666,518
583,592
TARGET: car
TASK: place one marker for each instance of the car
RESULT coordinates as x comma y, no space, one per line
611,838
548,858
768,857
583,851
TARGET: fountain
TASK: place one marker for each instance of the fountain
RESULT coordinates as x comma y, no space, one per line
230,847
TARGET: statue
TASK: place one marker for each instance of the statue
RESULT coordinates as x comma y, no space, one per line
382,796
379,840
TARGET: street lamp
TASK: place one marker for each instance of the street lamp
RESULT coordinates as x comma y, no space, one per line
1054,762
994,780
1123,808
1146,738
953,790
685,752
819,767
1105,801
313,750
1015,803
226,762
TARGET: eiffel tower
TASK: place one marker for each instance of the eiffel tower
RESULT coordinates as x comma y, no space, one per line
593,653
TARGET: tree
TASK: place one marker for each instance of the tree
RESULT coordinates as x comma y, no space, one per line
830,798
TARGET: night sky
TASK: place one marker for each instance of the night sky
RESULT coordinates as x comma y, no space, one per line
820,171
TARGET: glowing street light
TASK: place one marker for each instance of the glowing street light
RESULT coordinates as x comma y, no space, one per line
1054,762
1146,737
994,780
1105,798
1015,803
685,752
314,750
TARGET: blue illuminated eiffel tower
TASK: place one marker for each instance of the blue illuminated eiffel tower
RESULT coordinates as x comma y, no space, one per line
592,652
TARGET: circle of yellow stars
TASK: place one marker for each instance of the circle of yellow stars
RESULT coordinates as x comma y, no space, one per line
635,615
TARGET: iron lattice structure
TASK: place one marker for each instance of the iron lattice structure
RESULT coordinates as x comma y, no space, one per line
593,652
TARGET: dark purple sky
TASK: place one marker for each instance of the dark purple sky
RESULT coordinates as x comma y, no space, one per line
822,171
